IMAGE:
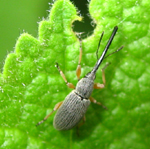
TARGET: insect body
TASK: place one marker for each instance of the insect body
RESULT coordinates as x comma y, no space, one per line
73,108
71,111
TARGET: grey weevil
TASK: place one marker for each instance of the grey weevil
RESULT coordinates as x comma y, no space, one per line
72,110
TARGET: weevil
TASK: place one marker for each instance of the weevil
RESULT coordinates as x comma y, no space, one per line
72,110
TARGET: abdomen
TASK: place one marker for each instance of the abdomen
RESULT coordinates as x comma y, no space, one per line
70,112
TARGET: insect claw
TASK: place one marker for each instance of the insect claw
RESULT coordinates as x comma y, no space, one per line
39,123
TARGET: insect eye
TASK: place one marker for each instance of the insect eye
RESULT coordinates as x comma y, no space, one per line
87,74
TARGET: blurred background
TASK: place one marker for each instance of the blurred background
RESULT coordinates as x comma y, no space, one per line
23,16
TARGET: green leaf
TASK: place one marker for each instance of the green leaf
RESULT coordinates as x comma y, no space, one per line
31,85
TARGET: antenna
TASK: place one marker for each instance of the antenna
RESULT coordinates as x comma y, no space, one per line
106,49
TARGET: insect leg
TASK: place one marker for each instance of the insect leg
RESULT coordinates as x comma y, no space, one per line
98,85
70,85
95,101
55,108
83,121
78,70
80,124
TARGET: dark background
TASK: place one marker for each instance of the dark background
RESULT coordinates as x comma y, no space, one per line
23,16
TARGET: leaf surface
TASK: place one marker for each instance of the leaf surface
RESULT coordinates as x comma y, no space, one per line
31,85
